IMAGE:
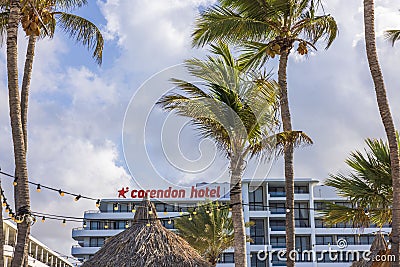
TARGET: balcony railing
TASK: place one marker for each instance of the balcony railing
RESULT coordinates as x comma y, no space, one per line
277,194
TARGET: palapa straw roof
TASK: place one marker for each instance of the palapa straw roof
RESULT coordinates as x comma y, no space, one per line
378,247
146,243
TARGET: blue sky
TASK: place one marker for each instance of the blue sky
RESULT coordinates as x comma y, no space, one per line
77,109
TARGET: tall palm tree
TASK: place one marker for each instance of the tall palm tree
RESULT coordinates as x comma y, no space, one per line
39,20
266,28
22,189
238,114
387,120
209,230
368,187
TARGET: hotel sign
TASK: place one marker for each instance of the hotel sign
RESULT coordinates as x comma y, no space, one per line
208,191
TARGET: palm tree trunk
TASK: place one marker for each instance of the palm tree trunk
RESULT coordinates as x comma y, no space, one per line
385,113
26,82
236,199
288,157
17,132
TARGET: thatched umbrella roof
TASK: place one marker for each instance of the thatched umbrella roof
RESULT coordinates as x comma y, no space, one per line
378,247
146,243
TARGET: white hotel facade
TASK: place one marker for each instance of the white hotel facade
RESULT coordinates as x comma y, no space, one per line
264,204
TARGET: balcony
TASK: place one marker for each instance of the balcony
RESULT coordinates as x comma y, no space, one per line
76,251
277,194
77,233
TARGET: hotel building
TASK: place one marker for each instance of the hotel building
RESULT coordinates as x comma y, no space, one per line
39,254
264,204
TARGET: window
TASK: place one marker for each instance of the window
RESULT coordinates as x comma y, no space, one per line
351,239
301,189
278,241
96,241
258,262
169,224
276,191
319,223
276,225
276,261
226,258
344,204
277,208
319,205
162,207
366,239
256,198
257,232
303,243
301,214
324,239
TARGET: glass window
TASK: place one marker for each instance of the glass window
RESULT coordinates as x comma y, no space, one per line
366,239
276,191
351,239
319,223
257,232
301,214
303,243
226,258
169,224
278,241
277,225
256,262
96,241
319,205
277,208
301,189
324,239
256,198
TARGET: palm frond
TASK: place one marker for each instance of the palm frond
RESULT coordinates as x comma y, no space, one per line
3,25
392,36
315,28
334,214
84,32
224,24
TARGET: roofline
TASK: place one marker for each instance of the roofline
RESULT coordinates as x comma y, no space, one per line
38,242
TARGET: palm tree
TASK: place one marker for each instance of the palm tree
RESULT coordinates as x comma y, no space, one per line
238,114
393,36
209,229
387,120
368,187
39,20
266,28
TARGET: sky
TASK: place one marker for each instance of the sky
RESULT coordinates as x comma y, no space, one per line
93,129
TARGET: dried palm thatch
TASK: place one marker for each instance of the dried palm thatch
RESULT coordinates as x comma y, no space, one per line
146,243
378,247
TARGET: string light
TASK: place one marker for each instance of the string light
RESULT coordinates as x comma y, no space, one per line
38,188
195,211
4,202
7,208
106,226
116,206
133,208
43,219
64,222
165,211
127,224
77,197
148,223
15,181
180,211
150,211
170,221
61,192
190,217
98,203
84,224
